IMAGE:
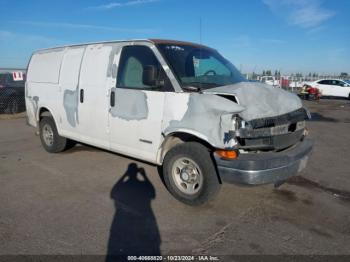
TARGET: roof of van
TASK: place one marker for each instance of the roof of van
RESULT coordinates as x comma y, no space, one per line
154,41
176,42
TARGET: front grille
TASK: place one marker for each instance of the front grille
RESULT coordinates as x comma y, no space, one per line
273,133
273,142
289,118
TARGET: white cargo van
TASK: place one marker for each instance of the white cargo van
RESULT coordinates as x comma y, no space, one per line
175,104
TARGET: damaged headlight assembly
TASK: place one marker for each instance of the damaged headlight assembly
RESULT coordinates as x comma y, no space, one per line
237,122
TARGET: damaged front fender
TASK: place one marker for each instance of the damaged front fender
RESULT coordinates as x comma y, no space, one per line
209,117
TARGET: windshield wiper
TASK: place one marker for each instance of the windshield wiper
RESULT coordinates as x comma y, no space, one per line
192,88
202,85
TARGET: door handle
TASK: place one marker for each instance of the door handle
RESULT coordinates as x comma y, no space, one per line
112,101
81,95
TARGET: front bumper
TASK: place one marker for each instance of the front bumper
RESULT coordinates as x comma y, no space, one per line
265,167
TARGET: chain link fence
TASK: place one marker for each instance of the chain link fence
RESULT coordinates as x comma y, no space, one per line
11,102
12,92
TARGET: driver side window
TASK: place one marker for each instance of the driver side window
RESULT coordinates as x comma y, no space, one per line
133,60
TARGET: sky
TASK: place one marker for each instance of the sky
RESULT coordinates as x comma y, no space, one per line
255,35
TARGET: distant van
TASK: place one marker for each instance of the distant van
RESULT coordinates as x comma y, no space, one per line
176,104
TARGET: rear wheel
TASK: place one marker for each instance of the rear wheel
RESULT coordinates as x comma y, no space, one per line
50,139
190,174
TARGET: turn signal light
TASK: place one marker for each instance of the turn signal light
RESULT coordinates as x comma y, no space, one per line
228,154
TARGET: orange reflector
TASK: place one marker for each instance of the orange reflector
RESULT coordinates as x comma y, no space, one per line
227,154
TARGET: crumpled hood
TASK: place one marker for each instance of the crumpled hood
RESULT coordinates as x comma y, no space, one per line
259,100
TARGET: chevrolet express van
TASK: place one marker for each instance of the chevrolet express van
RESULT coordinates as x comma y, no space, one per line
175,104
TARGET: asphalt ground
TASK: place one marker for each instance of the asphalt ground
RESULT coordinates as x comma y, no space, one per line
80,201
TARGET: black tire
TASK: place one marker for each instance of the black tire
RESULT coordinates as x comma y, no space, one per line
58,143
200,156
70,144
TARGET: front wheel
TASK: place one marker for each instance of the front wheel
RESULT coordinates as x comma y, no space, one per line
190,174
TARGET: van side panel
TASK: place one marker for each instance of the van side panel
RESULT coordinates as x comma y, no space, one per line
42,83
69,92
45,66
93,111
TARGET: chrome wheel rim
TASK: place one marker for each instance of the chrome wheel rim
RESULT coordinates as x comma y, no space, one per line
48,135
187,176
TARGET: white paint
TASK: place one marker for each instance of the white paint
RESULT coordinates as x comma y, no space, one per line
69,80
129,136
45,67
333,87
93,112
176,107
56,77
72,69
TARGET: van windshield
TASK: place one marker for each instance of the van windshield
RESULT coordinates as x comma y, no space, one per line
199,66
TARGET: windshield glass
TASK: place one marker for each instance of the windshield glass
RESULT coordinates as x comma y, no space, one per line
199,66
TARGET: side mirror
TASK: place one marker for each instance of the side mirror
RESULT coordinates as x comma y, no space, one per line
150,75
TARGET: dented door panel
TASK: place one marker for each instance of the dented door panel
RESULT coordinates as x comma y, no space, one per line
135,123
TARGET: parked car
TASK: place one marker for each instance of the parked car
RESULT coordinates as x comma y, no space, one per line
270,80
12,93
332,87
178,105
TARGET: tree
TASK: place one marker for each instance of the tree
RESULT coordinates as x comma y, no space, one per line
344,75
263,73
254,76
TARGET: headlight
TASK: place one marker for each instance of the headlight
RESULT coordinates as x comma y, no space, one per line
237,122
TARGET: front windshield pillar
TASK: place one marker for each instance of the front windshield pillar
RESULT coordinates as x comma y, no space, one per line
166,69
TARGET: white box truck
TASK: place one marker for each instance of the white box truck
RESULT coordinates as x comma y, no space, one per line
176,104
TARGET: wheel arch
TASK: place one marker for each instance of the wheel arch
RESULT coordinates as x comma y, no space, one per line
178,137
46,111
43,111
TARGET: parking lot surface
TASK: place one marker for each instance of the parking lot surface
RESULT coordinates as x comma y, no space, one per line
89,201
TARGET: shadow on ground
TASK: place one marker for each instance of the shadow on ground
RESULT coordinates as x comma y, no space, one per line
317,117
134,230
